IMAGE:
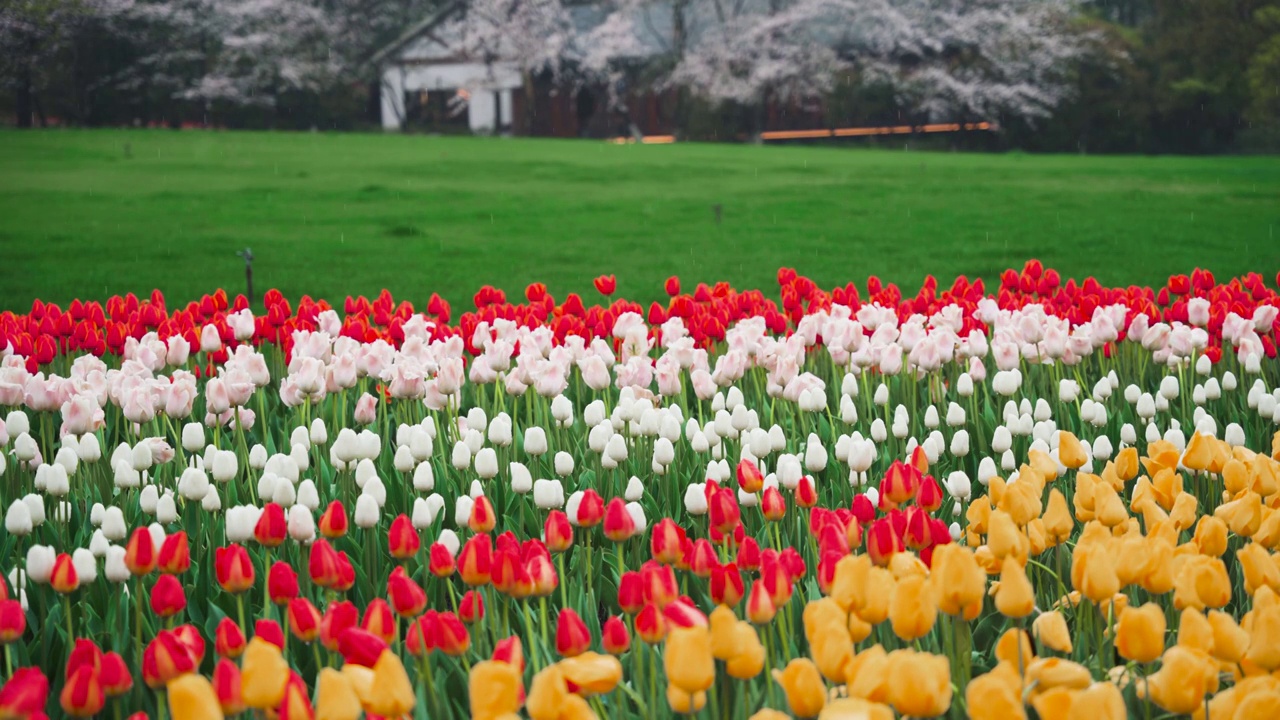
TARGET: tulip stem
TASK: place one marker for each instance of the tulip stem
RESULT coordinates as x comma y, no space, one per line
137,619
66,607
161,705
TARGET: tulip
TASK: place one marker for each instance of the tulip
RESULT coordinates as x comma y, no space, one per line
175,554
592,673
379,620
659,584
13,621
750,479
572,637
990,697
1140,633
1184,678
800,681
391,694
1050,628
270,631
229,640
726,585
631,591
618,523
232,567
494,688
805,493
760,607
651,626
510,651
402,540
882,542
263,675
912,609
226,687
702,558
557,532
336,697
140,553
685,703
272,527
165,658
322,564
282,583
192,696
304,620
407,597
614,636
440,561
483,519
471,609
114,675
772,506
296,703
919,683
687,659
723,511
24,694
338,617
82,694
333,523
1015,597
475,562
958,581
167,597
451,635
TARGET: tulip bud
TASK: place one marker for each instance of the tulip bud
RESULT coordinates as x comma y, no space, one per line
614,636
572,637
333,523
229,640
167,597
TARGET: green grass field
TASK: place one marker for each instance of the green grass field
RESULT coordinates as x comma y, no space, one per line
91,213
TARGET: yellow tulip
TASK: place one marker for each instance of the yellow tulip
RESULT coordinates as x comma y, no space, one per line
1096,569
1199,452
1194,630
819,615
1070,452
874,604
1243,515
1082,501
1057,518
978,514
1201,582
1099,701
919,683
867,676
191,697
1211,536
1268,534
1264,632
263,675
1056,672
750,662
770,714
1050,628
494,688
593,673
1184,678
724,633
803,687
547,694
1015,598
1053,703
687,659
989,697
392,693
1261,704
1159,577
1184,511
1259,568
361,679
685,703
1003,536
1045,467
832,652
1014,647
1022,501
853,709
1266,475
959,584
1126,464
1230,641
1140,633
336,699
1133,562
859,629
912,609
850,579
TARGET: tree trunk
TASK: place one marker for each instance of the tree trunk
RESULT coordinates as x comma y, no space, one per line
22,104
528,103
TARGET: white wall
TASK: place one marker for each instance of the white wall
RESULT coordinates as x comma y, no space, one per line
480,80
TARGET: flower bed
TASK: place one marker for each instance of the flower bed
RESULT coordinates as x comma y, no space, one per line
1046,497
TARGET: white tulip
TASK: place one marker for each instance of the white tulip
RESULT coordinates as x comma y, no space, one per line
695,499
319,434
449,541
616,449
1234,435
300,457
148,499
86,565
881,396
365,471
535,441
300,436
460,458
476,489
17,521
1002,439
873,494
40,559
986,471
113,525
88,449
462,510
67,459
960,443
366,511
521,478
193,437
211,502
302,524
166,509
115,568
267,485
240,521
564,464
815,455
635,490
548,494
959,486
964,385
425,511
637,516
487,463
476,419
284,494
225,466
17,422
424,478
193,484
1169,387
500,430
99,543
376,490
141,456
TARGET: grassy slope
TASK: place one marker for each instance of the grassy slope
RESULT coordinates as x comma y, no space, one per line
336,214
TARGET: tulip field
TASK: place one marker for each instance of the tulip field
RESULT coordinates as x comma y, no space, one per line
1039,497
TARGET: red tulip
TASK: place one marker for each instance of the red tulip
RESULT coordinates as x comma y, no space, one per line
558,532
13,621
590,509
333,523
510,651
929,496
175,554
882,541
723,511
229,639
304,620
760,607
361,647
24,694
451,635
296,704
900,484
606,284
918,532
482,519
422,637
282,583
114,675
188,635
666,540
407,597
232,566
750,479
165,658
683,614
323,564
618,523
471,609
402,540
475,561
726,585
863,510
920,460
226,685
84,652
440,562
651,626
631,592
272,527
772,506
572,638
64,578
703,558
82,695
660,587
775,578
339,617
672,286
346,573
167,597
749,554
614,636
542,575
379,620
805,493
140,553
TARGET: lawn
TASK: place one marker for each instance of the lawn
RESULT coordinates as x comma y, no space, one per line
92,213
